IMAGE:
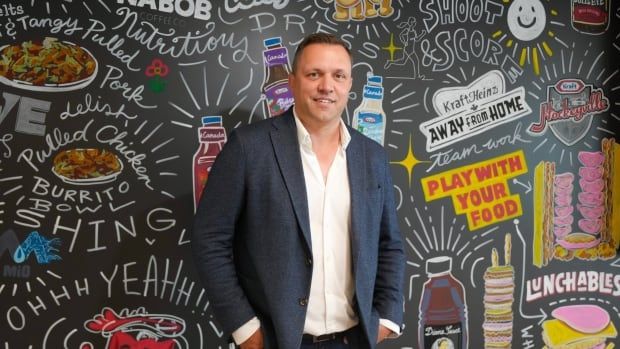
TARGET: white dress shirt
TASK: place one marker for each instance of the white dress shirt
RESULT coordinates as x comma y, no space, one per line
330,303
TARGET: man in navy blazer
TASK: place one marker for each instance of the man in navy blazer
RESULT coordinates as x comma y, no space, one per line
252,237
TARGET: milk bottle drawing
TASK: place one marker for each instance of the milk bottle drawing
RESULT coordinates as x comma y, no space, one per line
212,137
369,117
275,87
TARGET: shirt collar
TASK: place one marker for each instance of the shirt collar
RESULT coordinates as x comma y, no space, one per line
304,137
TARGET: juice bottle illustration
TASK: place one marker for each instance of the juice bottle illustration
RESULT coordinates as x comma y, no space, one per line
212,137
443,312
590,16
275,84
369,117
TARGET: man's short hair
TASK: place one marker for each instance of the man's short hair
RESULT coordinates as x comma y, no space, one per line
319,38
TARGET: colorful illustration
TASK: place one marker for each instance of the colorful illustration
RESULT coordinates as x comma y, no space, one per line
480,190
499,288
554,212
212,137
369,117
443,308
43,249
137,329
276,91
360,9
49,66
467,111
500,122
87,166
590,16
579,326
156,71
569,110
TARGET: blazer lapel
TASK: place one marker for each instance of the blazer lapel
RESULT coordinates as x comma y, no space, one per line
356,165
286,149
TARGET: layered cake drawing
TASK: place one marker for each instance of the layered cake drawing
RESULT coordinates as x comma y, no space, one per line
498,298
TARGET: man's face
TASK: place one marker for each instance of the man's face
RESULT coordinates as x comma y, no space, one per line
321,83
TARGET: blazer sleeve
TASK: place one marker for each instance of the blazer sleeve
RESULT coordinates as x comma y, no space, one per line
220,206
388,298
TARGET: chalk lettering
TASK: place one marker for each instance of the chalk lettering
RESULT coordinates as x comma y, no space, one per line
97,106
444,12
232,6
30,115
112,80
450,46
111,136
199,9
4,141
596,103
67,26
54,141
112,45
573,282
189,44
11,10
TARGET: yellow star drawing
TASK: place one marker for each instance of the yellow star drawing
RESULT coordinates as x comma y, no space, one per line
409,162
392,48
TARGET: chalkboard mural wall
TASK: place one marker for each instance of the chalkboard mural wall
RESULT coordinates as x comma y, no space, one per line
500,119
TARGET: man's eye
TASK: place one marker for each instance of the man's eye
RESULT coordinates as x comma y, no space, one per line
340,77
313,75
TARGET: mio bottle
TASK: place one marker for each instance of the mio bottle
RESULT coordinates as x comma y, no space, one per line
369,117
443,312
275,85
212,137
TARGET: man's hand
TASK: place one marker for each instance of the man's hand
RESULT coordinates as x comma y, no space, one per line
254,342
383,333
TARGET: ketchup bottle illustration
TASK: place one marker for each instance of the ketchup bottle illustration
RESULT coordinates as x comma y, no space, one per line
443,312
212,137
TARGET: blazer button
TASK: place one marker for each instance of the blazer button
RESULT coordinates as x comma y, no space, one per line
303,302
309,261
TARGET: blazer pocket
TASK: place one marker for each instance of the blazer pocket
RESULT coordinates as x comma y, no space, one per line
374,202
374,189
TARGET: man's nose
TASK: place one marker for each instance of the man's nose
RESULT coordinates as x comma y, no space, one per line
326,84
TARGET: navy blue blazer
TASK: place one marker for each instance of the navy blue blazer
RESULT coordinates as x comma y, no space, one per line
251,236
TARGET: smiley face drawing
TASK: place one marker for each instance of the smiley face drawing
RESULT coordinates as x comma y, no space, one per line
526,19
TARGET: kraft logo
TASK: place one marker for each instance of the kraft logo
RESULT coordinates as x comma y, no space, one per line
570,85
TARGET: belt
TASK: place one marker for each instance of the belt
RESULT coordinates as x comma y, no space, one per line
308,338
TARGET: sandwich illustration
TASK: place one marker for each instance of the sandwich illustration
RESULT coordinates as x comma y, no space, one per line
498,298
589,229
544,175
611,220
580,326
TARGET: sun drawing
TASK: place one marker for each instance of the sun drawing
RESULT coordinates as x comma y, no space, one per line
529,30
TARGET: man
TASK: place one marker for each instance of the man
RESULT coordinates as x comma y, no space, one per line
296,236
